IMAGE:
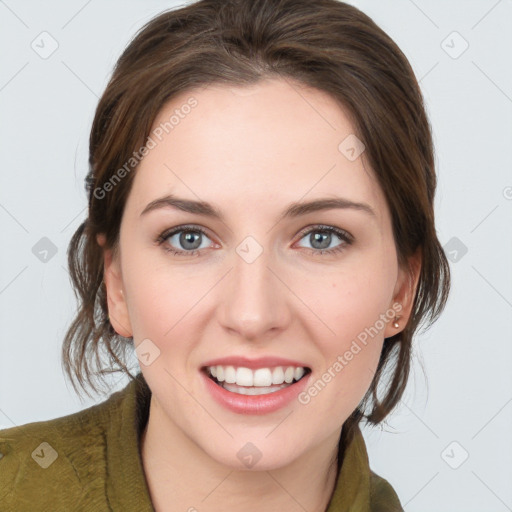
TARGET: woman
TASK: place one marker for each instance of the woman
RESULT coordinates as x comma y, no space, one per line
230,135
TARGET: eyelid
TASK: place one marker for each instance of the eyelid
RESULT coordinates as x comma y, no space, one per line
346,239
185,227
342,233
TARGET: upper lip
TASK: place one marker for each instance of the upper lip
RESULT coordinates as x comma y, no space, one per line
260,362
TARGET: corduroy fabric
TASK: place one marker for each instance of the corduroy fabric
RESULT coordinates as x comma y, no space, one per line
98,466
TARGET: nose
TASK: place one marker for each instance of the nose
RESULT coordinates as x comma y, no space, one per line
254,300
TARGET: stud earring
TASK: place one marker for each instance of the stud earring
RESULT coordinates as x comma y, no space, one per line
395,324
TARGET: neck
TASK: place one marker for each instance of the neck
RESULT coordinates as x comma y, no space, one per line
181,476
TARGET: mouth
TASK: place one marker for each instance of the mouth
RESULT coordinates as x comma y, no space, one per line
261,381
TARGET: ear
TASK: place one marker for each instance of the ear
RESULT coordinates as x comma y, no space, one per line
117,307
404,293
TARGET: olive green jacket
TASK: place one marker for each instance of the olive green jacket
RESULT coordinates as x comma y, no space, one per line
90,461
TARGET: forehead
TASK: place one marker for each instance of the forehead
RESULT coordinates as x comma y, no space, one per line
271,143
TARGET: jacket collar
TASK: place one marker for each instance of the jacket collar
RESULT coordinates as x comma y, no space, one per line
352,489
127,485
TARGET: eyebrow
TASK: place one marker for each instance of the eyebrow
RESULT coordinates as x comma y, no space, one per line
293,210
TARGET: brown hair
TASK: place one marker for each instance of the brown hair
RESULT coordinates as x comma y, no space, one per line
325,44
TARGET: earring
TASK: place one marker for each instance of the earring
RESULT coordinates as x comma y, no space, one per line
395,324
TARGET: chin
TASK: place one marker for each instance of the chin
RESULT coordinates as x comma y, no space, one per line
254,453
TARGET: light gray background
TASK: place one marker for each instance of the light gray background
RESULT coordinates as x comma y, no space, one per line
47,107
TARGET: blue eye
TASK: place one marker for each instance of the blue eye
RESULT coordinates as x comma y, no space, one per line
323,237
190,239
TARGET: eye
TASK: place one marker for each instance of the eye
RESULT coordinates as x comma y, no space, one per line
188,237
321,238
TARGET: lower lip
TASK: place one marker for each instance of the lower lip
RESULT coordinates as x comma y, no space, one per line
254,404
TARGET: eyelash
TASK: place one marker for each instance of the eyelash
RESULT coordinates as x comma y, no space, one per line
343,235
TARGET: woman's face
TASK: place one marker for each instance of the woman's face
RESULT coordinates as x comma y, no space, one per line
259,280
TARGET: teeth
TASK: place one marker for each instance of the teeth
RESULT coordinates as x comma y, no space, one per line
278,375
299,372
229,375
288,374
262,377
244,377
252,390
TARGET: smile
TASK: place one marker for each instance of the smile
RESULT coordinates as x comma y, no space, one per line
261,381
270,390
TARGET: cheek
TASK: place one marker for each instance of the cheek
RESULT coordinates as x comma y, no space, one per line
152,297
162,301
349,301
352,345
351,308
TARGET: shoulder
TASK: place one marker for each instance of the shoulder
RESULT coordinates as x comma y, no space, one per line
55,455
383,497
